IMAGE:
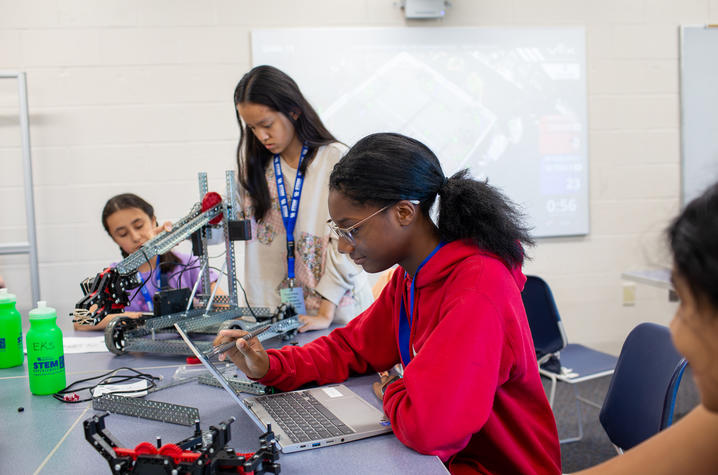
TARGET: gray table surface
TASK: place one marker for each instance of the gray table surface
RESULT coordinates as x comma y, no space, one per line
660,277
48,437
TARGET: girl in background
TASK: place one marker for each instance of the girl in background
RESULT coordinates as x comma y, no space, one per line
285,155
451,314
130,221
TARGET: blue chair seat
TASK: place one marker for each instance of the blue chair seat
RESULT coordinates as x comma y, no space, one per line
580,363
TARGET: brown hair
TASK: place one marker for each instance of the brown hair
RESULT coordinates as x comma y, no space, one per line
168,260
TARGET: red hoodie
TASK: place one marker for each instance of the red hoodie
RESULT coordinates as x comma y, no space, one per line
471,394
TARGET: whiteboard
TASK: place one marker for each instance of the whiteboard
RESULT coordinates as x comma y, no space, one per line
699,110
507,103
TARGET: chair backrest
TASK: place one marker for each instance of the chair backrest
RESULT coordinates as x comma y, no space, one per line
544,320
641,397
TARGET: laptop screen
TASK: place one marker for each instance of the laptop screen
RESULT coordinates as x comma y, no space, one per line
215,372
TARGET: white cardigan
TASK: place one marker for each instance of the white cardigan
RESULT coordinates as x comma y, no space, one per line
319,267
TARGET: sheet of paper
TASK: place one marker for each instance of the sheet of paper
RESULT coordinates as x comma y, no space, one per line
77,344
139,386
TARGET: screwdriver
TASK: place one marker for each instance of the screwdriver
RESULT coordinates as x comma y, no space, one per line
231,344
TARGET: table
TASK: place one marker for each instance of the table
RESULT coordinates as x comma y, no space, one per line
660,277
48,437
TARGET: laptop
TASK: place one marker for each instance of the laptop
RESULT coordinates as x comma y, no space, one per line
307,418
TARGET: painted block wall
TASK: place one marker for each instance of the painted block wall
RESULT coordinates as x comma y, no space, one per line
130,95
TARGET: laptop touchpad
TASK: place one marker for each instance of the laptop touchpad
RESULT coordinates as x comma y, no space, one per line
350,408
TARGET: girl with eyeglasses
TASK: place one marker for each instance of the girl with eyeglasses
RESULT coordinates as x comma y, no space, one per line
285,155
451,314
690,445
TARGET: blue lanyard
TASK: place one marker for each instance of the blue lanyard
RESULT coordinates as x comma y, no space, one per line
404,322
289,216
143,289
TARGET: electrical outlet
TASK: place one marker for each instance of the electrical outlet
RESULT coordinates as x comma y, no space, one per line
629,294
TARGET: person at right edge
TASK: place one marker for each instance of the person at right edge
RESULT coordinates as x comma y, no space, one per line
451,314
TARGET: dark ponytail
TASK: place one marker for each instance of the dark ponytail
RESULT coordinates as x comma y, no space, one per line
268,86
384,168
693,237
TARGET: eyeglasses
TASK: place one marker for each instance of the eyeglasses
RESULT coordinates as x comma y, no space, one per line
348,233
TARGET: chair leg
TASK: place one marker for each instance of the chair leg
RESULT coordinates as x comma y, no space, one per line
579,416
589,402
552,393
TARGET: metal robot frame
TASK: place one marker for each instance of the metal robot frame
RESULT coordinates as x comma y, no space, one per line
106,292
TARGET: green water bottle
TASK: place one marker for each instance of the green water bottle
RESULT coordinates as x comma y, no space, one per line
11,353
45,355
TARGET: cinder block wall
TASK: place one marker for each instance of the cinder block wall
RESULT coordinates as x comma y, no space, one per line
129,95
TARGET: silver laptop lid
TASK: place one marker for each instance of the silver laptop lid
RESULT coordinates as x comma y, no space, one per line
217,374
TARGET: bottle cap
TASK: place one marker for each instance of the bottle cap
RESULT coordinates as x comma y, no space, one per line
42,312
7,297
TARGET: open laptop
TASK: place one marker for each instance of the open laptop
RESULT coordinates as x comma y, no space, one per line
307,418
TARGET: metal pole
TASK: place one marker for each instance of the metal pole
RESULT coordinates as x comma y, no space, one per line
204,259
29,198
230,213
29,247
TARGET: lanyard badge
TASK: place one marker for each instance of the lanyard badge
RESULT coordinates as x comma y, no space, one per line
290,295
145,292
405,321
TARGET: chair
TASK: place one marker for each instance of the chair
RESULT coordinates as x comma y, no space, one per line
578,363
642,394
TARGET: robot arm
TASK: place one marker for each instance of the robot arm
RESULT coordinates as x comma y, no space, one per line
106,293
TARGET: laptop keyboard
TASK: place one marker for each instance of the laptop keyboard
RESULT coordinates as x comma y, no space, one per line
302,416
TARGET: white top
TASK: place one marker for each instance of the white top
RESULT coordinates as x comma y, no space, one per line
319,267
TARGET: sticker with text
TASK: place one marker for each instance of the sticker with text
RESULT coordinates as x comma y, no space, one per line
332,392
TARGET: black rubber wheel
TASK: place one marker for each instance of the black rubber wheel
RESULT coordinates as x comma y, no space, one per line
115,333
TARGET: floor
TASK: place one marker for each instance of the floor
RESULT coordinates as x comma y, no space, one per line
595,446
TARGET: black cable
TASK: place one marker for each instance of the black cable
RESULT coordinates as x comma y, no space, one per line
171,266
147,259
111,377
188,266
185,267
197,267
174,265
246,299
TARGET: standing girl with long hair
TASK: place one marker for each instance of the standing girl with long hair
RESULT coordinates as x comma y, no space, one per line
285,155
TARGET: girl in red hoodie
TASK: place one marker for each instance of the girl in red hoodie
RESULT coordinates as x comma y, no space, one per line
452,312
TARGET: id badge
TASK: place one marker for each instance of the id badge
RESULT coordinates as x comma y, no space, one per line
294,296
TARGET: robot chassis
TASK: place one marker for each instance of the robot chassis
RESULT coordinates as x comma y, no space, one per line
106,292
203,453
